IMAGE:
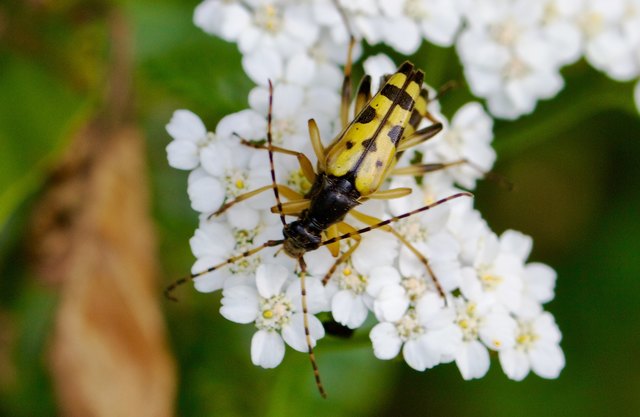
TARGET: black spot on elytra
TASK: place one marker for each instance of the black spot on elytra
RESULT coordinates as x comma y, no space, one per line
415,118
418,78
369,144
395,133
397,95
349,144
367,115
406,68
379,163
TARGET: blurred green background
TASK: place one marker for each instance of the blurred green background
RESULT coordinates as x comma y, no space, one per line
575,163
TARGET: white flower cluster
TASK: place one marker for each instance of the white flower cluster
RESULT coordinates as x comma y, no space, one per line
494,298
511,50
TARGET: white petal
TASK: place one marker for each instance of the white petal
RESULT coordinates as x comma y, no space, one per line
546,328
183,154
210,281
430,307
206,194
263,65
376,249
240,304
270,278
348,309
402,34
248,123
236,19
441,29
540,281
212,239
186,125
287,100
473,360
385,340
498,331
267,349
418,357
380,277
216,158
547,360
300,69
445,341
391,304
316,295
205,16
515,363
294,333
517,243
243,217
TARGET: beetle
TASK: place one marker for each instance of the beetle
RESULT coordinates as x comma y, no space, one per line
349,172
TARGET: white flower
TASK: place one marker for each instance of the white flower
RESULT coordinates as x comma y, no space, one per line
274,305
221,18
426,334
365,18
219,162
427,232
189,135
560,27
469,228
507,58
216,241
537,348
468,138
511,51
390,297
205,192
259,25
611,37
538,288
293,106
408,20
481,327
350,301
495,276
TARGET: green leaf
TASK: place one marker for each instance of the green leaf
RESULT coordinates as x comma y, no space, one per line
36,115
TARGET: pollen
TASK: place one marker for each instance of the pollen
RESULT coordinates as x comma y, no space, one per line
268,17
516,68
591,23
236,182
490,281
409,327
416,10
275,312
506,33
351,280
523,339
415,287
526,336
468,321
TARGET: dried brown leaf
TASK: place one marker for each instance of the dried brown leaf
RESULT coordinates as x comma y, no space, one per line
109,352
